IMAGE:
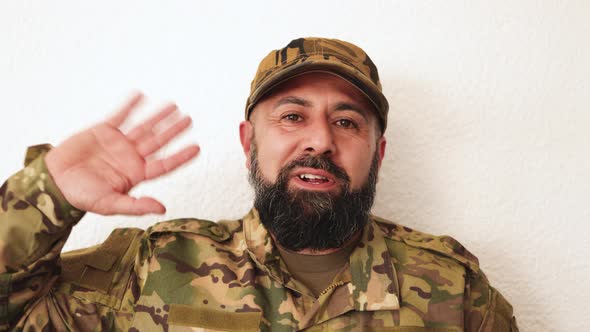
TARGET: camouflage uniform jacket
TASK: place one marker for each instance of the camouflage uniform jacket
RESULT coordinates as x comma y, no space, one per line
196,275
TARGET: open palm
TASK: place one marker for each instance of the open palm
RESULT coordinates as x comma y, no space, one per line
96,168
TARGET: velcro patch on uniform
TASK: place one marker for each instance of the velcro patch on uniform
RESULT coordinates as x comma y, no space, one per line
410,329
185,315
102,262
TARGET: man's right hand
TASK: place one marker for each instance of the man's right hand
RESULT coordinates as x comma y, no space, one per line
96,168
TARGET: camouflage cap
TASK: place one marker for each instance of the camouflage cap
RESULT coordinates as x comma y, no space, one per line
320,54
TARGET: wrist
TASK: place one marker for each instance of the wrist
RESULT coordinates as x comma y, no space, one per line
43,189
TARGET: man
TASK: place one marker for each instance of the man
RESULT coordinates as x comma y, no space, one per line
309,256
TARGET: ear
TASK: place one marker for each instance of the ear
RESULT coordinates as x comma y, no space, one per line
381,143
246,135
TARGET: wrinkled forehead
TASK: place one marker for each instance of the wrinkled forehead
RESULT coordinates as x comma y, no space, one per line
316,81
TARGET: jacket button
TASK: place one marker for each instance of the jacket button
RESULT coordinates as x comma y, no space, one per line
215,230
448,246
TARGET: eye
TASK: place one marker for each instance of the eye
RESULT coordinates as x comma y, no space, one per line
293,117
346,123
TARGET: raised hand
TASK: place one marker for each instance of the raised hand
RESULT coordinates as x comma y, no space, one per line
96,168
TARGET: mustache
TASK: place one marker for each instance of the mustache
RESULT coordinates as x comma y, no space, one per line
320,162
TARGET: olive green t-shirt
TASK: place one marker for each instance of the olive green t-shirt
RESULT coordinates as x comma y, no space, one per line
317,271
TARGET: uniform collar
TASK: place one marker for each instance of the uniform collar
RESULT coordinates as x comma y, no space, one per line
371,281
260,246
374,284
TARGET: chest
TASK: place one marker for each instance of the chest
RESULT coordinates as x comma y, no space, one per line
210,289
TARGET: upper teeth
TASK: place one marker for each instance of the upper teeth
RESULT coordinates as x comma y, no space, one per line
312,177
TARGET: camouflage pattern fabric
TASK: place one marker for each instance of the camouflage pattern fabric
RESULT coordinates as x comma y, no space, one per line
197,275
320,54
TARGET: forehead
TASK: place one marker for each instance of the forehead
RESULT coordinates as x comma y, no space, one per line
317,85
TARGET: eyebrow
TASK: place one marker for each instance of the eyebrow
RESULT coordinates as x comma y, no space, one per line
306,103
293,100
351,107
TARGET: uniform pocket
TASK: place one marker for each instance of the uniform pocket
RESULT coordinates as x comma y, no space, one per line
101,273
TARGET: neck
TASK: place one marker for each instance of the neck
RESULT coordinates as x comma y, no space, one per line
315,252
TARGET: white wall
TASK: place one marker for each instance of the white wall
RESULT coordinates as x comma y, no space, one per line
488,136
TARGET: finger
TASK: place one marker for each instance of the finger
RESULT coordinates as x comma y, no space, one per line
146,127
152,144
158,167
127,205
119,117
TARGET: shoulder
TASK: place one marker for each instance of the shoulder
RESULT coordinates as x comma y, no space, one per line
219,231
443,245
91,273
118,251
451,271
192,236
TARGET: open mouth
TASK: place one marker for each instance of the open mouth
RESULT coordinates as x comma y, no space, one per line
313,179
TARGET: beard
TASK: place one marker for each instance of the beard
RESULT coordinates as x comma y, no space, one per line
302,219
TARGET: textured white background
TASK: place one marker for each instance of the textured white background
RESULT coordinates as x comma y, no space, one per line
488,135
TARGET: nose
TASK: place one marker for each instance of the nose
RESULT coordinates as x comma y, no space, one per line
319,138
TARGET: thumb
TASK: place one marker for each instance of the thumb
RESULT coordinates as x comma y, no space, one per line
126,205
